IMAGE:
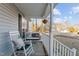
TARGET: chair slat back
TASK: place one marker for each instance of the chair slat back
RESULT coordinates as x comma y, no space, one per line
14,35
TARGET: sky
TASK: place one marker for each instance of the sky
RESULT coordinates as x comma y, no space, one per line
67,11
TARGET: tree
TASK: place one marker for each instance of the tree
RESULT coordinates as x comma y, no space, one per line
72,29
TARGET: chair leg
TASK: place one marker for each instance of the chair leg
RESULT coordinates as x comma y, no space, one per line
33,50
24,51
32,47
13,49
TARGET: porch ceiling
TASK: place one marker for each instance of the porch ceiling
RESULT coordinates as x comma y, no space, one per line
33,9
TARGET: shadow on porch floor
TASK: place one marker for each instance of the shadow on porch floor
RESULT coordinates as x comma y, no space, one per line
38,49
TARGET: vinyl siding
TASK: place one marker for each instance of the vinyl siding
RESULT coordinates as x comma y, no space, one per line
8,22
8,17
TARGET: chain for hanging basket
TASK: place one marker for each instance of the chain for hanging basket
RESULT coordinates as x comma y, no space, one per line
44,21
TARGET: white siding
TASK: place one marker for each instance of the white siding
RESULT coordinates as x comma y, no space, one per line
8,22
8,17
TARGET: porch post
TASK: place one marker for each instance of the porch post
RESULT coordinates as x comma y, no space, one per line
50,31
27,25
36,24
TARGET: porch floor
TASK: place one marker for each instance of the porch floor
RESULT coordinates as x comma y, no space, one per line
38,49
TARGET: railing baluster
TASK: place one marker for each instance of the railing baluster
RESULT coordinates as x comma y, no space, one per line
60,49
54,47
68,52
57,48
73,51
65,51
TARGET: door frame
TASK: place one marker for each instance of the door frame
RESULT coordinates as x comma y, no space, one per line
20,24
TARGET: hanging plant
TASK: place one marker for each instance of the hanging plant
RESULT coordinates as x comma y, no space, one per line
44,21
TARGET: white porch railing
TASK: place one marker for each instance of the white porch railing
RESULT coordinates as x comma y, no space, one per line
60,49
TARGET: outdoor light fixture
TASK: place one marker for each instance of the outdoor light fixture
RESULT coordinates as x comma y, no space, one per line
45,21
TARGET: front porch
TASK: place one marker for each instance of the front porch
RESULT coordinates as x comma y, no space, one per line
50,43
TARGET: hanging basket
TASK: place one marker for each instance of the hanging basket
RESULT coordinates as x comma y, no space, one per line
44,21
